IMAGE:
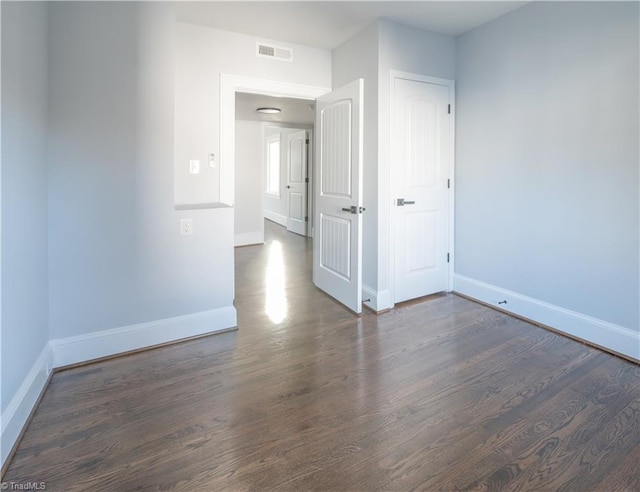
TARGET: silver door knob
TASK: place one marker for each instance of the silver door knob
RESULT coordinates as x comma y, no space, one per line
353,209
401,202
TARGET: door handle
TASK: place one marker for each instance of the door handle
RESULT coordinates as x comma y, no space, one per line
288,186
401,202
353,209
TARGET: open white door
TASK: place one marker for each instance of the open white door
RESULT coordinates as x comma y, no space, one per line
297,182
337,247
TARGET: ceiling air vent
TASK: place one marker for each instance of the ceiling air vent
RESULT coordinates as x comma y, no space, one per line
274,52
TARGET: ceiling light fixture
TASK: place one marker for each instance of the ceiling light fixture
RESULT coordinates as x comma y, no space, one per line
268,110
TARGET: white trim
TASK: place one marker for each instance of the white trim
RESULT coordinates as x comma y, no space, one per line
90,346
246,238
380,300
310,183
229,85
16,415
599,332
451,85
276,217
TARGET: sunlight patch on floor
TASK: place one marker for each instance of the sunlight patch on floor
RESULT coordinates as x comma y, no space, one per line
275,298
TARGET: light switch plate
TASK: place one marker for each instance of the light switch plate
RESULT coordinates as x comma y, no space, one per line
194,167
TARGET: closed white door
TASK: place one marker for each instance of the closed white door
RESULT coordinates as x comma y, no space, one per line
337,248
297,182
420,165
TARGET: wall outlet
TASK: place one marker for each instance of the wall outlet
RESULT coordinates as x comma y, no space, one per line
194,167
186,227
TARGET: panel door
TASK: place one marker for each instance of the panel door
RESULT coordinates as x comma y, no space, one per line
420,162
337,252
297,182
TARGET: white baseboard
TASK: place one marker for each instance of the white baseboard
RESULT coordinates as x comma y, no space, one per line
379,300
602,333
15,416
245,238
275,217
83,348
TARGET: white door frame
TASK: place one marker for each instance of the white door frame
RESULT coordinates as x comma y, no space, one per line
394,186
229,85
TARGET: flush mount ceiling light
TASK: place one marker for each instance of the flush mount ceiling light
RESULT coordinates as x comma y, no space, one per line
268,110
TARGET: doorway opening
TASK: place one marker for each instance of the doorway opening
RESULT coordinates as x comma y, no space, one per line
230,87
337,251
273,165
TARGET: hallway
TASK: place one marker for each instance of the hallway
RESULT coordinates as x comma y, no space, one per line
443,394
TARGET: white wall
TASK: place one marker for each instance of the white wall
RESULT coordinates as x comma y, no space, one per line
24,322
202,55
116,256
547,160
249,222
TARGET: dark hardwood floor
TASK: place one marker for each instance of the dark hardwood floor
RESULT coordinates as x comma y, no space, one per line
443,394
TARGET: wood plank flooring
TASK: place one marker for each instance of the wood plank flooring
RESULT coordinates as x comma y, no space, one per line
438,395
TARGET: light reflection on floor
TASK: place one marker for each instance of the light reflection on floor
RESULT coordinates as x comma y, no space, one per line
275,299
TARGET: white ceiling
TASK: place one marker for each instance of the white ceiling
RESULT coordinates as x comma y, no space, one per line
296,111
328,24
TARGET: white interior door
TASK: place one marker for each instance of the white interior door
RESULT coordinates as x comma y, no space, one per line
420,162
297,182
337,251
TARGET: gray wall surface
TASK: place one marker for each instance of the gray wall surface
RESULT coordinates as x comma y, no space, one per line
415,50
547,156
116,256
24,191
202,55
248,214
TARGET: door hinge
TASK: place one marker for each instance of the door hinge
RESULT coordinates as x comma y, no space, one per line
448,258
306,219
306,180
449,108
448,183
307,141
